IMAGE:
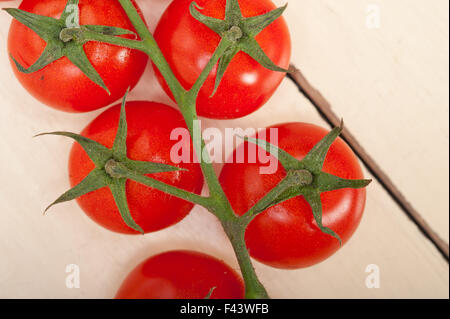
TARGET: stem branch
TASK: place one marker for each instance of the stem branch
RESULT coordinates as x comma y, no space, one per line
153,51
235,231
268,199
224,44
217,203
118,170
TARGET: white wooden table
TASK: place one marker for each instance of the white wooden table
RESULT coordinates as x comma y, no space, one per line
388,81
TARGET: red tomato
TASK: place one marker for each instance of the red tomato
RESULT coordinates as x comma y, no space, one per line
188,45
61,84
149,128
286,235
182,275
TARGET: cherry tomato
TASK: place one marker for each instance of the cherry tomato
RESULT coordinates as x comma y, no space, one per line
182,275
188,45
149,129
286,235
61,84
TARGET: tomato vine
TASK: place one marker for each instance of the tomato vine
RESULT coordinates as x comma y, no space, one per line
304,178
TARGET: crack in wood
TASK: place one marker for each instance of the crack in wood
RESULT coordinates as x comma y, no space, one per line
326,112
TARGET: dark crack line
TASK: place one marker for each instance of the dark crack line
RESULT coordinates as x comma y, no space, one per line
326,112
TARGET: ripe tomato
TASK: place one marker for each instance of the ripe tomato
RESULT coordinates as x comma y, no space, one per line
286,235
149,128
182,275
61,84
188,45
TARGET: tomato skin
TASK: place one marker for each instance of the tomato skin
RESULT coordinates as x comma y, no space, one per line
61,84
181,275
188,46
149,128
286,235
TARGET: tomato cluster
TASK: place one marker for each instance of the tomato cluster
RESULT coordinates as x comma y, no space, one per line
284,236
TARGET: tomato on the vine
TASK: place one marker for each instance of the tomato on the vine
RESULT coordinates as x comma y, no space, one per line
286,235
188,45
149,139
61,84
182,275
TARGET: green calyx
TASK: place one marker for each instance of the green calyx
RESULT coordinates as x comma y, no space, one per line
305,178
112,169
115,169
301,177
64,38
240,34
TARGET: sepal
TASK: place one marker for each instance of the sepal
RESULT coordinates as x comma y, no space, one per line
239,34
51,53
119,148
313,199
328,182
316,156
288,161
75,53
253,49
95,180
64,37
233,12
224,61
254,25
118,190
305,178
45,27
98,153
113,169
216,25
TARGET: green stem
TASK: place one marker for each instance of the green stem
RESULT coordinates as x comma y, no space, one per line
220,50
186,104
223,208
191,118
217,203
151,48
118,170
304,178
235,230
187,101
233,225
123,42
268,199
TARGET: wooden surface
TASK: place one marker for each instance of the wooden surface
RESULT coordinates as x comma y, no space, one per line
390,85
